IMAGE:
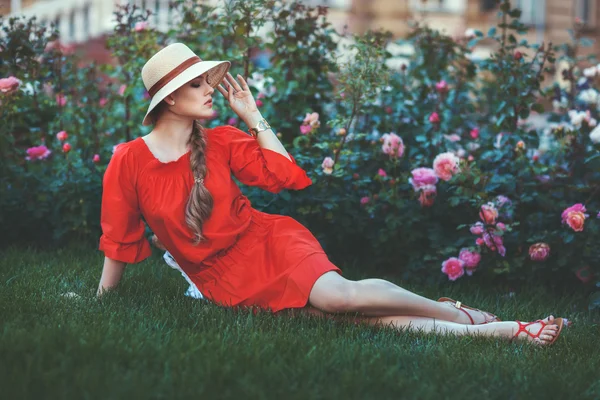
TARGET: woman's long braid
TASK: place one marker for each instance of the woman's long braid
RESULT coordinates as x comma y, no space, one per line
200,202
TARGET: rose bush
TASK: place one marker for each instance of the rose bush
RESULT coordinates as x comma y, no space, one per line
422,156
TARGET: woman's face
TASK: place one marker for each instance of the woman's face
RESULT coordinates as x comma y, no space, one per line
193,100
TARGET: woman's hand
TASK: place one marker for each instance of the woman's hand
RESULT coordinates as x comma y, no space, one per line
240,98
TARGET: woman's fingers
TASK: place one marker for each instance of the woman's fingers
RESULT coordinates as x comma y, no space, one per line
234,83
222,90
244,84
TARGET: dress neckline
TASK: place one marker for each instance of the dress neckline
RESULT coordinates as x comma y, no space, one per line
145,145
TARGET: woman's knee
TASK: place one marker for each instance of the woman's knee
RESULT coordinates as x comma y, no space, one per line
333,293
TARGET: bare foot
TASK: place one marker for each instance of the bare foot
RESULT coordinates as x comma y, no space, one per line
479,317
548,333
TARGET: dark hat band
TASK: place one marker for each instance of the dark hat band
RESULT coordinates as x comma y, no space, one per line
173,74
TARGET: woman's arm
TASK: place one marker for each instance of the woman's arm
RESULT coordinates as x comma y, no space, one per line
111,275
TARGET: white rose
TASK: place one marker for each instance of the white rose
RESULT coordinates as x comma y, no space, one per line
595,135
589,72
589,96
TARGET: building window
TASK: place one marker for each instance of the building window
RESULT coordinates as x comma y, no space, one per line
533,12
586,10
450,6
86,20
72,25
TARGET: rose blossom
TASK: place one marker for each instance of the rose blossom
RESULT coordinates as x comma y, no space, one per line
364,200
494,243
9,85
488,213
232,121
96,158
103,101
539,251
474,133
445,165
66,148
392,145
327,165
382,172
122,89
61,100
62,136
434,118
37,153
478,228
575,216
427,195
441,86
470,258
141,26
422,177
454,268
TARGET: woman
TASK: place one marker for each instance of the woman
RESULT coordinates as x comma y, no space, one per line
178,178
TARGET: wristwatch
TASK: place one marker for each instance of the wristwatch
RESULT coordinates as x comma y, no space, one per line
262,125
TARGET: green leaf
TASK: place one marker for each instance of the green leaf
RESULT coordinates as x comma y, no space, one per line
538,107
492,32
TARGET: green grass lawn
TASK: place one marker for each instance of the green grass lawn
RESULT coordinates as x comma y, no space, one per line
147,340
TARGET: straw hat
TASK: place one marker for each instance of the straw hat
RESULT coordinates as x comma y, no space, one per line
172,67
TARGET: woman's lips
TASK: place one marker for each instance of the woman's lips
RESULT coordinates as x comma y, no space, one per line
209,102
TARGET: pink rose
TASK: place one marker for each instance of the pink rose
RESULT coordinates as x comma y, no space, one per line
62,136
446,165
232,121
422,177
122,89
96,158
454,268
37,153
61,100
494,243
575,216
427,195
479,242
364,200
470,258
381,172
103,101
304,129
392,145
9,85
66,148
259,103
474,133
141,26
434,118
477,228
539,251
441,86
488,213
501,226
327,165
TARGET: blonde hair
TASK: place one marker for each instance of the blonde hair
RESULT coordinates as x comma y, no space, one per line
200,203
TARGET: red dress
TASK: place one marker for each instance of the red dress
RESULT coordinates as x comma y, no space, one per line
251,258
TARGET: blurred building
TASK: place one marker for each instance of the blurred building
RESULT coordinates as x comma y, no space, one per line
86,22
549,20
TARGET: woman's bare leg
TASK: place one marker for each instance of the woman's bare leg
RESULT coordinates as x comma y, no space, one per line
505,329
378,298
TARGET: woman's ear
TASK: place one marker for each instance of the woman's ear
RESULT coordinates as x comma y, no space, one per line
169,100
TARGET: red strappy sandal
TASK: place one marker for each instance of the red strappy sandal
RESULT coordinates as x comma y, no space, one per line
460,306
522,326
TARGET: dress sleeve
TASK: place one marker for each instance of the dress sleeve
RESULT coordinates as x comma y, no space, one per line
256,166
120,218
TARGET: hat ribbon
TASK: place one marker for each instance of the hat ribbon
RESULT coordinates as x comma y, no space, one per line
172,74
